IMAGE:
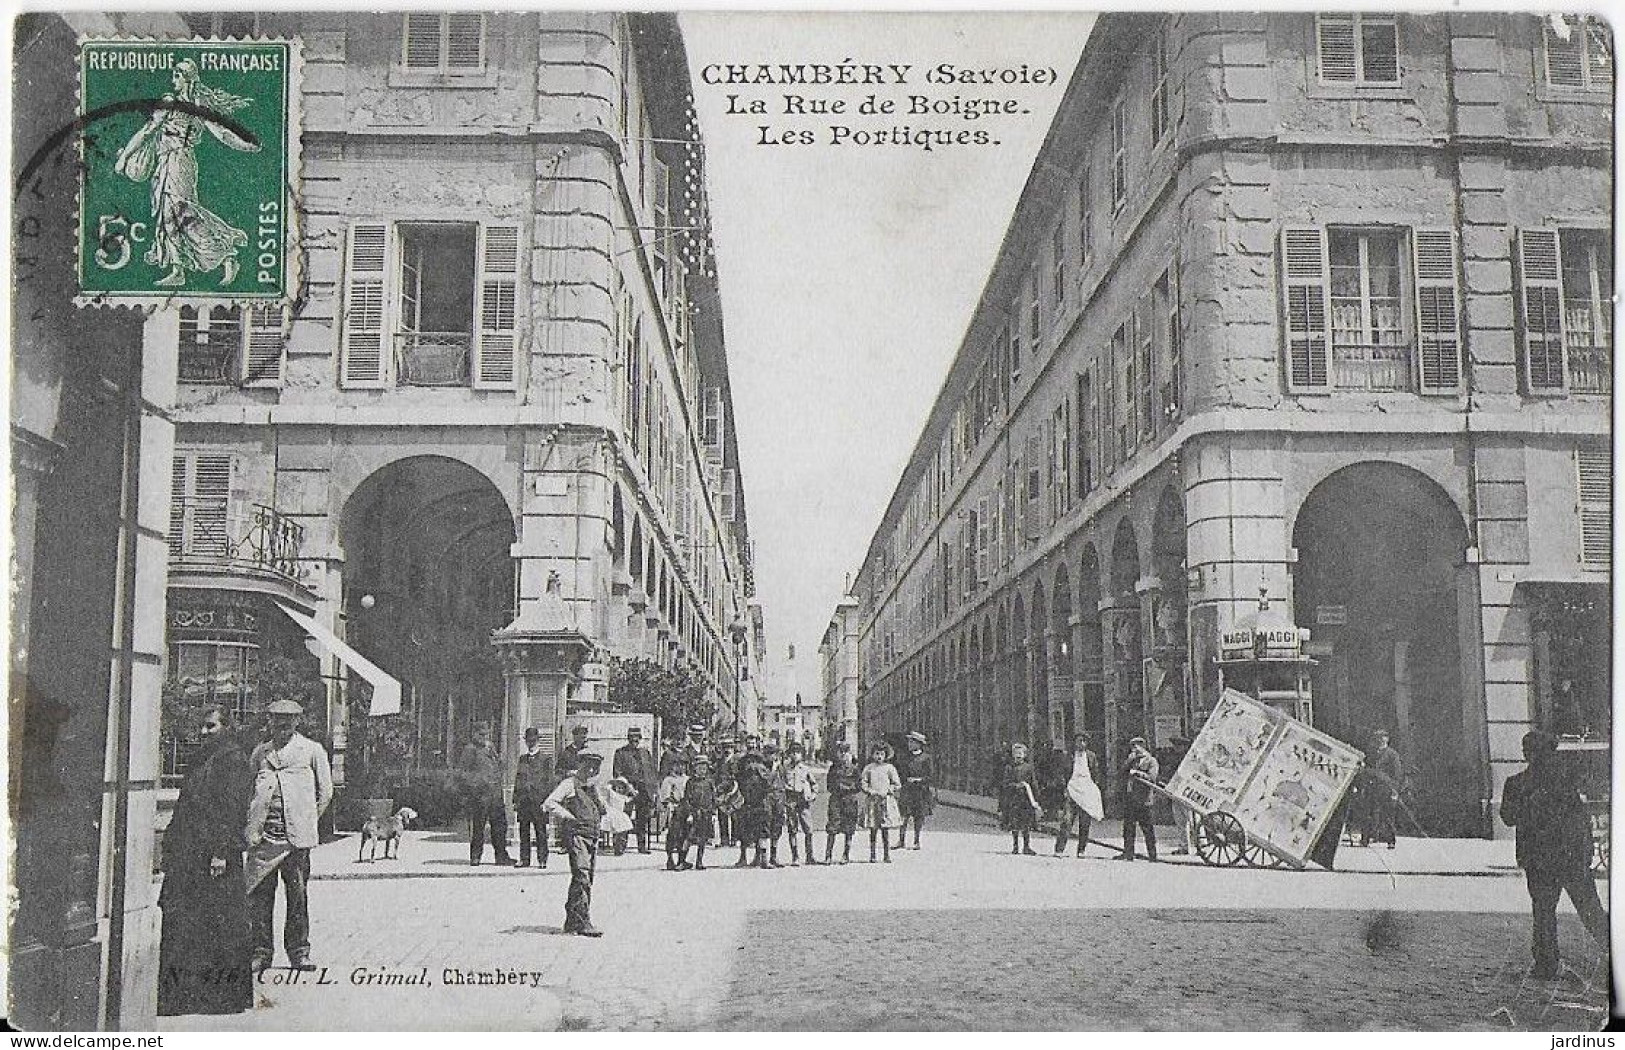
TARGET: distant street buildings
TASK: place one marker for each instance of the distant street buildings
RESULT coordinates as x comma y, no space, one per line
1313,306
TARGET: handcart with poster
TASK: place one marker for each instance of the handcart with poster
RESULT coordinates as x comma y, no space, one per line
1267,789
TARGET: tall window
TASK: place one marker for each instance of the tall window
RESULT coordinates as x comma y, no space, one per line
1578,53
1167,295
431,304
1566,280
1119,154
445,43
1369,348
1371,308
1123,358
1145,324
1159,83
1058,265
1358,49
1086,216
1034,324
1085,435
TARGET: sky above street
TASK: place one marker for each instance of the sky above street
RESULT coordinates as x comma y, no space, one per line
849,272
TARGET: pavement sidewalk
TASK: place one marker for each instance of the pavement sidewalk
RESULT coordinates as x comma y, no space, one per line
1411,856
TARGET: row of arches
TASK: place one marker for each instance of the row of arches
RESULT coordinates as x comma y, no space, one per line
1101,638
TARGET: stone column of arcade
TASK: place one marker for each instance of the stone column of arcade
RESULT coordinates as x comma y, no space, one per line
542,653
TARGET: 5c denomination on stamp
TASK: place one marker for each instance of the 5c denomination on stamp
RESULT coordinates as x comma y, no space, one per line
189,155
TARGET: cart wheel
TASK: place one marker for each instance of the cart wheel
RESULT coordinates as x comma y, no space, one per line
1599,855
1220,840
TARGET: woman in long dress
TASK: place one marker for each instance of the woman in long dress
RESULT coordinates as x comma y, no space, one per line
205,947
186,236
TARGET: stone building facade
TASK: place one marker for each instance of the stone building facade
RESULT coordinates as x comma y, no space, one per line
91,437
838,673
491,445
1316,306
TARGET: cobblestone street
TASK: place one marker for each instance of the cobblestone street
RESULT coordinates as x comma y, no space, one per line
957,935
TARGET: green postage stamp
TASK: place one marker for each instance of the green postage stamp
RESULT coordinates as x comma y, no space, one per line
189,160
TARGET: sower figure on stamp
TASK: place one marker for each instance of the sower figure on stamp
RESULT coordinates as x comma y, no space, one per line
636,765
919,772
481,769
1553,849
532,782
579,811
293,784
1139,772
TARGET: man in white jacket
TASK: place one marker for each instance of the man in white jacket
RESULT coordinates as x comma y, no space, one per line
293,784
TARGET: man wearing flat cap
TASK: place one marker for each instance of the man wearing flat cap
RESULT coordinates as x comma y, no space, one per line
293,784
481,768
571,751
578,809
1139,773
635,764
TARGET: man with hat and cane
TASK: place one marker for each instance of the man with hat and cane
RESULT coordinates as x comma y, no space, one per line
635,764
532,782
575,804
293,784
919,772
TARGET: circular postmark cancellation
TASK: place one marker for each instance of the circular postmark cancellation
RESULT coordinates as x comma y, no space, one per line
188,155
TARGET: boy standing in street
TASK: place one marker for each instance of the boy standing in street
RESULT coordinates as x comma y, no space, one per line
579,810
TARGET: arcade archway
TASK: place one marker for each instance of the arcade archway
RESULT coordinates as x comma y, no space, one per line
427,577
1378,578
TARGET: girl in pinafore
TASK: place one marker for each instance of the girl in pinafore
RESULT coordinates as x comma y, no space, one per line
881,813
1020,803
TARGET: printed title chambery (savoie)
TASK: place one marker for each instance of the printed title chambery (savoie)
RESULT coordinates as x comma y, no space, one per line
863,73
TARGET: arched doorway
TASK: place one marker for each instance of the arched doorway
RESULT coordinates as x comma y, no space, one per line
1088,662
1380,560
1125,642
1167,690
427,578
1061,714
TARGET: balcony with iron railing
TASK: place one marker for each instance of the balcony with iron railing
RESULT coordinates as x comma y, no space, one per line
432,358
249,542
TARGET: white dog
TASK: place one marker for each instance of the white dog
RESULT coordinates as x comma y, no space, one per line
386,830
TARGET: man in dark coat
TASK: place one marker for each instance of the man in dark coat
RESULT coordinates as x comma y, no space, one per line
204,951
1384,782
481,769
1139,772
578,809
568,754
918,771
1553,848
533,781
636,765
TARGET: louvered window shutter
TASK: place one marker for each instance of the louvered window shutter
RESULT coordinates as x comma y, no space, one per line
496,351
1335,37
362,355
1596,487
264,336
465,42
1438,318
421,48
1545,369
210,500
1305,291
984,532
179,483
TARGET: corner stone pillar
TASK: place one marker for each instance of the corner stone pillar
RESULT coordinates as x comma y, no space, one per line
542,653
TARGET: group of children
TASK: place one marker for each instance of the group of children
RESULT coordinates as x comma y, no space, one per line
754,798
